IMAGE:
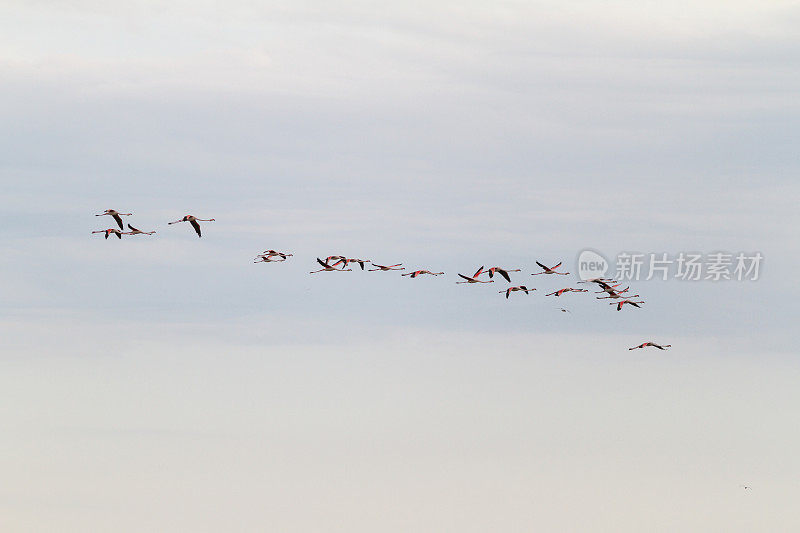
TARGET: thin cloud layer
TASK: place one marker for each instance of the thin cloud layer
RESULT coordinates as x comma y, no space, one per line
173,372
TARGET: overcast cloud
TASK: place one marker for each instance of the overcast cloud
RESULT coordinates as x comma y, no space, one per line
209,393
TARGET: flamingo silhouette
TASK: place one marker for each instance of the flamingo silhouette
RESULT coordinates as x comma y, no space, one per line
474,278
650,343
268,259
509,290
567,289
549,270
115,215
385,267
503,272
421,272
110,231
193,220
359,261
267,255
623,302
329,268
134,231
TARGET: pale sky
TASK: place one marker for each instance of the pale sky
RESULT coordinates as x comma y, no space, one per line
166,383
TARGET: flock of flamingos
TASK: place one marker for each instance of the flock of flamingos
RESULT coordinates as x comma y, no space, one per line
339,263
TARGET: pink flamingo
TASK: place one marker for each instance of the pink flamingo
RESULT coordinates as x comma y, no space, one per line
548,270
115,215
650,343
613,292
421,272
268,259
329,268
385,267
503,272
359,261
110,231
474,278
599,281
193,220
623,302
612,289
567,289
509,290
603,283
134,231
616,295
269,254
340,260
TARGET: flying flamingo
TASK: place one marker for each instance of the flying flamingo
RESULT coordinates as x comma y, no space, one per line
134,231
115,215
110,231
612,289
509,290
329,268
603,283
421,272
650,343
599,281
193,220
548,270
613,292
268,259
567,289
503,272
623,302
474,278
359,261
385,267
616,295
340,260
272,253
